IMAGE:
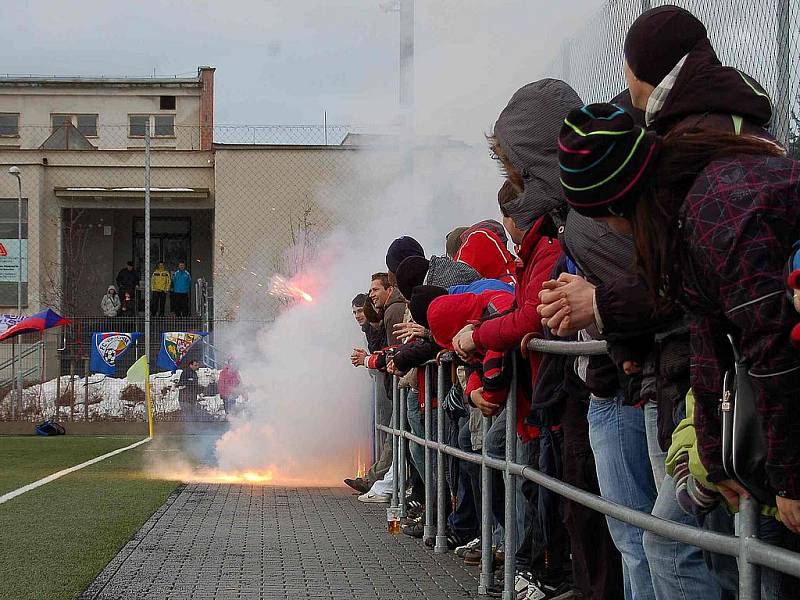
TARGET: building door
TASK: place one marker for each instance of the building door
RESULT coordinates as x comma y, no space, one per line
170,242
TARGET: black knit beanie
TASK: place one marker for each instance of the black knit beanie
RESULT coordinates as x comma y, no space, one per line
603,157
421,298
659,39
400,249
411,273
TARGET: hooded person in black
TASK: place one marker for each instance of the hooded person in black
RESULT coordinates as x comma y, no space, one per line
676,77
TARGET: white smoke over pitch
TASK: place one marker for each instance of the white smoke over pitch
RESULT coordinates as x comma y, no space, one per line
309,410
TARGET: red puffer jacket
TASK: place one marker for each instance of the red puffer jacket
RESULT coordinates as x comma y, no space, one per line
537,257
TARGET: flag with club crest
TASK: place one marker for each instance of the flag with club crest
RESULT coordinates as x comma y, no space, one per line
175,345
107,348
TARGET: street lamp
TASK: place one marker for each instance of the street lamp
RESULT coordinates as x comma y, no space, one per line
15,172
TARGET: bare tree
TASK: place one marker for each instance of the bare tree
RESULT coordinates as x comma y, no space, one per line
66,274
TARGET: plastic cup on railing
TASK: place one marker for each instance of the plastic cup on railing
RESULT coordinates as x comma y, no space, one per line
393,520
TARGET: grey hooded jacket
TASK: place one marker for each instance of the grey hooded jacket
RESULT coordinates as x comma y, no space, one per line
527,131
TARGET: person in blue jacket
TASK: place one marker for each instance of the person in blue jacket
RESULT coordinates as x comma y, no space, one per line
181,287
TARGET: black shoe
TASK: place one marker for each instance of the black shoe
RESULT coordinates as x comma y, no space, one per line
415,530
453,541
358,484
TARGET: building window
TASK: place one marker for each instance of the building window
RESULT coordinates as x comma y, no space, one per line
58,121
166,103
9,125
87,125
138,125
9,259
165,125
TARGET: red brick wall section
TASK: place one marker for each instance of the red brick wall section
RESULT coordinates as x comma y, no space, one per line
207,108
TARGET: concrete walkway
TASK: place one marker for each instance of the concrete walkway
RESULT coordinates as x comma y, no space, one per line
250,542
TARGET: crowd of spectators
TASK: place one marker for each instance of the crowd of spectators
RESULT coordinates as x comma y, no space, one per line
124,298
663,222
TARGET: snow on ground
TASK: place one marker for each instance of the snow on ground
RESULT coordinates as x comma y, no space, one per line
107,400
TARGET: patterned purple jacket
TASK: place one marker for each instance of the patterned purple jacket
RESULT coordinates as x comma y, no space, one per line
739,222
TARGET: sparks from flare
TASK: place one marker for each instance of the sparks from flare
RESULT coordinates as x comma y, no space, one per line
284,289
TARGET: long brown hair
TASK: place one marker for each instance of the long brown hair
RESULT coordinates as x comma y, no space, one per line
656,231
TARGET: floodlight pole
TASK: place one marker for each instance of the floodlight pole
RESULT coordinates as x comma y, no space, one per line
147,242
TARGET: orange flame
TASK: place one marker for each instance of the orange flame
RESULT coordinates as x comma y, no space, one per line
217,476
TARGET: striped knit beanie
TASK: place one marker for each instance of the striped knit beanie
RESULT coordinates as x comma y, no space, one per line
603,156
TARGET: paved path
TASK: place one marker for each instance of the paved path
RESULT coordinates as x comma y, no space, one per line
249,542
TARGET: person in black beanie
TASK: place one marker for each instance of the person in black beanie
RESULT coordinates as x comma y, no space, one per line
675,76
400,249
411,273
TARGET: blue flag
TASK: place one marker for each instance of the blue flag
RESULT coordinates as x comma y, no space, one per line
107,348
175,345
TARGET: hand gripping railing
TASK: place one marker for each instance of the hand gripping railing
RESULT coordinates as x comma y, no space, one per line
751,553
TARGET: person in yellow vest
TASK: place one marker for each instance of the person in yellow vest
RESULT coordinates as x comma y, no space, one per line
160,282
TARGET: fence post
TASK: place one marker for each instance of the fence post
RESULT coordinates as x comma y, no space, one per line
72,389
487,520
401,460
441,494
376,435
395,439
85,390
511,489
13,379
783,110
428,532
749,573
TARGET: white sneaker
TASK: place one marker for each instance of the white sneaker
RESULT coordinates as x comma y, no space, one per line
473,545
372,497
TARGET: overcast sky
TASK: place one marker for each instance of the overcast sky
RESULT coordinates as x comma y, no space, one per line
286,61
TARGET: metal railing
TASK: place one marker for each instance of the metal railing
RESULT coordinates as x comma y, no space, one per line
750,552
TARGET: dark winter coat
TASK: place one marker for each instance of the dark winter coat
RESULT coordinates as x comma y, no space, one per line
127,281
738,223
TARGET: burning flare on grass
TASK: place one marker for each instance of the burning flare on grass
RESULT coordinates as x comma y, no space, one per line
286,289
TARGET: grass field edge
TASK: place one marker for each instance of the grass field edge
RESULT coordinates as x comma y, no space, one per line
108,572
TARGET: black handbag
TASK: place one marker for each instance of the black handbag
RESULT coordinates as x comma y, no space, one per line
744,444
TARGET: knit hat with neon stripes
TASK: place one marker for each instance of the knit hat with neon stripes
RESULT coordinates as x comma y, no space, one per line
603,157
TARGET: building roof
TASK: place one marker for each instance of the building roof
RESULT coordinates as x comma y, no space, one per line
92,82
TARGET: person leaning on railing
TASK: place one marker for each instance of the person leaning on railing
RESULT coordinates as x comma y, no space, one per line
714,217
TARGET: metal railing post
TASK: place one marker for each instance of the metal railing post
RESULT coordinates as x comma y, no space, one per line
376,436
749,573
401,459
441,494
509,482
395,440
487,521
429,531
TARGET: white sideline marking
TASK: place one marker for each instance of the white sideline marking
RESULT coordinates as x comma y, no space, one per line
54,476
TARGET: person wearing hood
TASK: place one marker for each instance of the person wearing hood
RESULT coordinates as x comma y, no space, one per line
484,248
524,139
675,76
110,303
714,217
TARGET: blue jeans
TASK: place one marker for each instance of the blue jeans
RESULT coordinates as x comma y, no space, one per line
679,571
417,426
618,440
496,448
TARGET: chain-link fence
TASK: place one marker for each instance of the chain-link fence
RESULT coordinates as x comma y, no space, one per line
760,37
244,217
